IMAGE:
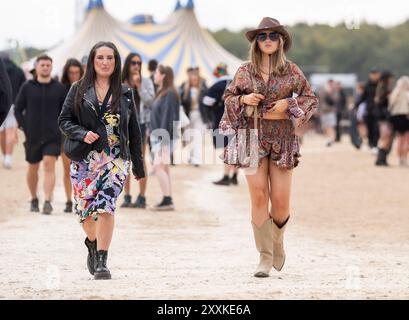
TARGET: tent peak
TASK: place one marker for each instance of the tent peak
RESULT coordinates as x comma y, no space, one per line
190,5
178,5
93,4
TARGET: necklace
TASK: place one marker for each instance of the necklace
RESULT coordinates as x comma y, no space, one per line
102,90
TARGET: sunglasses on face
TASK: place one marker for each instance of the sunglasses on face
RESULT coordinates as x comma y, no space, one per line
134,63
273,36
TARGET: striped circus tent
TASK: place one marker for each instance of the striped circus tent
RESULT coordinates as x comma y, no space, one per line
179,42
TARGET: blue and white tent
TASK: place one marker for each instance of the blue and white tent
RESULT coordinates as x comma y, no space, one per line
179,42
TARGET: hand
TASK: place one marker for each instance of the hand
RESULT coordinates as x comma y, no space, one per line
252,99
280,106
91,137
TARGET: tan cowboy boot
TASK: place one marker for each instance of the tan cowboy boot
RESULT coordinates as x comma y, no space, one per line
263,237
279,253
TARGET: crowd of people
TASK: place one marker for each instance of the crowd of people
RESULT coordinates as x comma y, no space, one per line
378,115
35,104
381,114
105,119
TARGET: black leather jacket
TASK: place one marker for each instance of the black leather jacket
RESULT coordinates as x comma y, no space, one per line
76,127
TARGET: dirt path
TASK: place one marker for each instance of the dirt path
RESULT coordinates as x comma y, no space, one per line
348,237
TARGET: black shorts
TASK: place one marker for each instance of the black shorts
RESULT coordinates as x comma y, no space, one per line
36,152
400,123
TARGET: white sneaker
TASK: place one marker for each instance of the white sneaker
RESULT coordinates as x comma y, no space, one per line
7,162
374,151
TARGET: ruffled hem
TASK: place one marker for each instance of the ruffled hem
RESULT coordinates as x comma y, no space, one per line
287,157
94,214
278,142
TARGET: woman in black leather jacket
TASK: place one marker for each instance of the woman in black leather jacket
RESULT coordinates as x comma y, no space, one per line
103,135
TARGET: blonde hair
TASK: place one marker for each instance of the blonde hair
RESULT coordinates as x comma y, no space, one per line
399,92
278,58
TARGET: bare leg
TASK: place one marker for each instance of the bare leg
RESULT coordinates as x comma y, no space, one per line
280,193
385,136
67,181
362,129
127,186
400,141
90,228
330,134
143,183
49,178
163,177
259,191
104,230
32,179
11,140
167,170
230,168
161,169
406,146
3,141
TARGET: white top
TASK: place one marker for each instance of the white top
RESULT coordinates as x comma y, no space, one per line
400,106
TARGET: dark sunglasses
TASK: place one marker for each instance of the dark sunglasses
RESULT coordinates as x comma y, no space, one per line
134,63
273,36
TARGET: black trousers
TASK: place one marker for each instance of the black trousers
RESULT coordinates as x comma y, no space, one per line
371,123
338,130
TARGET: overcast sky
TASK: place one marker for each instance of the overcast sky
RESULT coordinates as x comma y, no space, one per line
43,23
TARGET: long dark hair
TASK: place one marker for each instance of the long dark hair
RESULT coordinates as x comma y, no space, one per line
70,63
126,75
127,65
90,77
383,88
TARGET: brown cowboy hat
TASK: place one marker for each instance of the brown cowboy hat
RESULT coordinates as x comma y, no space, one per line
271,24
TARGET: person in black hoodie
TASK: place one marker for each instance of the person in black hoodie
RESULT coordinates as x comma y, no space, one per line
8,130
370,118
38,106
5,92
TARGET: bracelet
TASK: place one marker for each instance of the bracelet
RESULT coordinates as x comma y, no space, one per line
241,98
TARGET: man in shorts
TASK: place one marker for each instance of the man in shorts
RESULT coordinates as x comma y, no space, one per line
37,108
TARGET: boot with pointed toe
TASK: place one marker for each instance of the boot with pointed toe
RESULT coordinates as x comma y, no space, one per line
101,270
278,244
263,237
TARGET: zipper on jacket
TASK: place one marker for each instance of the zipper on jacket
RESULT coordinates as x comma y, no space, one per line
95,110
92,106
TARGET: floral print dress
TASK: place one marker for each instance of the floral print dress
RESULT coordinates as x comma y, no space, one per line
275,139
98,180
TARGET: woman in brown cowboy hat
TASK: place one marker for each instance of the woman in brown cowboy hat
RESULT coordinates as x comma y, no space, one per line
267,100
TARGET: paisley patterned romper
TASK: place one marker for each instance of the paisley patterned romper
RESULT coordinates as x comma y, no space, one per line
98,180
274,139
